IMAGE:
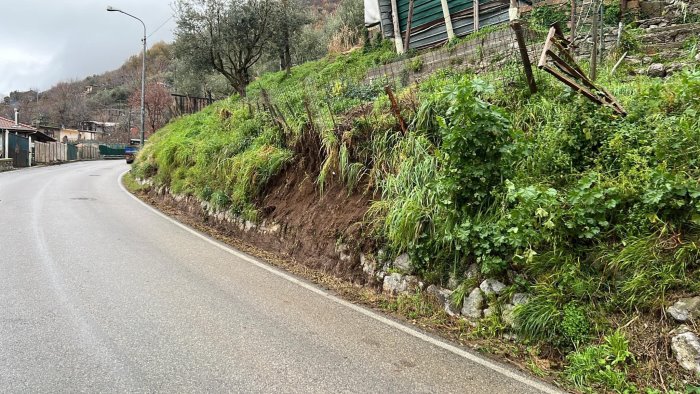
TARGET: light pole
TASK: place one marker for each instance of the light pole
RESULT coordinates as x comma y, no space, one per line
143,71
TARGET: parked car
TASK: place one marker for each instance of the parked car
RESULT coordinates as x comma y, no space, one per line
132,149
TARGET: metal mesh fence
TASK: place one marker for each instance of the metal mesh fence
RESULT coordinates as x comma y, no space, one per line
493,49
583,22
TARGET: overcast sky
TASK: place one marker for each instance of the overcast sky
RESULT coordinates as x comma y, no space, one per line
43,42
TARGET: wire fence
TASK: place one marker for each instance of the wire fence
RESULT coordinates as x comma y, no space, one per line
494,52
586,23
493,49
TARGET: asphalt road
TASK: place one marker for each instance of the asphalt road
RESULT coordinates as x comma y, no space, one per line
99,293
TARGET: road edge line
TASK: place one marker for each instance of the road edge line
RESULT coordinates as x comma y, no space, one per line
503,370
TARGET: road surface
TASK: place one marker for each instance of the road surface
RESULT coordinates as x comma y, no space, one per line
99,293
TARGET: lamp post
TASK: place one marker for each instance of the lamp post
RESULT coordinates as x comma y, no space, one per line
143,72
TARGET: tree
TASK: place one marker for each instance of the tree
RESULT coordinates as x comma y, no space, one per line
345,27
157,104
228,36
187,80
67,106
290,16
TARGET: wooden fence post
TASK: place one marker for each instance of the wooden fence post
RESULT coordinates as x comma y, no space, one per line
594,34
513,11
573,21
448,20
522,45
397,29
407,39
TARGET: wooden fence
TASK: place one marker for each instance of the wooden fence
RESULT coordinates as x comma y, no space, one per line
183,105
50,152
88,152
56,152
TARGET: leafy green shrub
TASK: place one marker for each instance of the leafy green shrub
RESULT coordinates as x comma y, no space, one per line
475,136
415,64
611,14
575,325
602,366
546,15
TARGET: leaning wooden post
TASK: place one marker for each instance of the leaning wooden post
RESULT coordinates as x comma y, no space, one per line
395,108
407,38
309,114
448,20
601,25
513,11
520,37
594,34
397,29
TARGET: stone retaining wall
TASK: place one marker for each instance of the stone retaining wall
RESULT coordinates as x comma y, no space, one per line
5,164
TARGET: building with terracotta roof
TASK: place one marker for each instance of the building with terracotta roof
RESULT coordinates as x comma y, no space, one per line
16,141
12,126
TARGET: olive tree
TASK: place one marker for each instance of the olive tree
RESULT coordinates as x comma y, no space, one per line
290,16
228,36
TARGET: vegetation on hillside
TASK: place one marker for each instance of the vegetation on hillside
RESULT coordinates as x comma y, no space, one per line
235,39
596,216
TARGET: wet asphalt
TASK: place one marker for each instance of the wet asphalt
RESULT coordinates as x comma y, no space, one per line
98,293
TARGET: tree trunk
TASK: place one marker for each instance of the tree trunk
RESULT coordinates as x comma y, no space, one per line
287,55
240,90
242,81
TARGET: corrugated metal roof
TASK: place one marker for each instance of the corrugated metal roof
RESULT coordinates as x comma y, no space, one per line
428,27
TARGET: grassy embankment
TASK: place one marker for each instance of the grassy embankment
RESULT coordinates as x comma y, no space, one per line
596,216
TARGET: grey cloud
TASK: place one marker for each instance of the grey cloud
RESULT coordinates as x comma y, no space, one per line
43,42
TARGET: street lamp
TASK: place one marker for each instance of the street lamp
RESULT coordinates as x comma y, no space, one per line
143,71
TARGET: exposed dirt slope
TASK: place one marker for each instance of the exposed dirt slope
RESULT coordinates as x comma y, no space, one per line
314,224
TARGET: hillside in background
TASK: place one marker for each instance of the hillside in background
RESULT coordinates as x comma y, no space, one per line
102,98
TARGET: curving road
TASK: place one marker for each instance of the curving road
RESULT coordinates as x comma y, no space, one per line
99,293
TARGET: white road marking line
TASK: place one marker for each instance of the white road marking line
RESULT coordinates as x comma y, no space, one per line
408,330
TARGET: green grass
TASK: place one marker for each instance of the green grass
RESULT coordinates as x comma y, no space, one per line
603,366
131,184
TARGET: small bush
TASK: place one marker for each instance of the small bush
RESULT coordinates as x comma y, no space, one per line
602,366
547,15
415,64
575,325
